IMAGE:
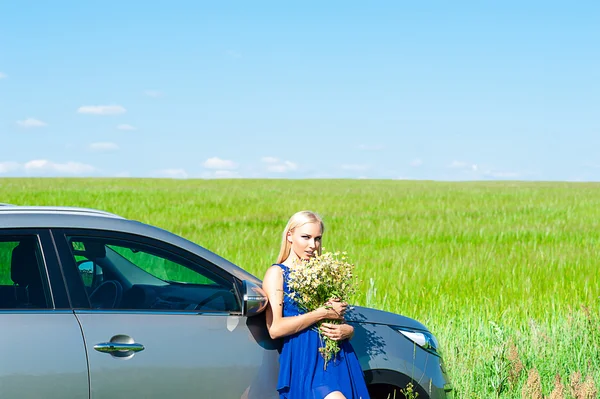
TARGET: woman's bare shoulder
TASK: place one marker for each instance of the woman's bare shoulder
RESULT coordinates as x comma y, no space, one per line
273,275
274,271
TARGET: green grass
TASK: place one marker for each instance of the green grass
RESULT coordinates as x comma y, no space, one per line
483,264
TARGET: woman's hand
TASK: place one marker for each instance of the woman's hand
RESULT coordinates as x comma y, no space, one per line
334,309
337,332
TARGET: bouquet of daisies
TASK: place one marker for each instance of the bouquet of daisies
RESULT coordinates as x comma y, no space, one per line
317,280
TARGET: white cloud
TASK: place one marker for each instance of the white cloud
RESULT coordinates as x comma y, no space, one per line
125,126
104,146
463,165
276,165
218,163
226,174
476,171
501,174
221,174
70,168
355,167
31,122
269,160
101,109
6,167
284,167
153,93
3,75
173,173
415,163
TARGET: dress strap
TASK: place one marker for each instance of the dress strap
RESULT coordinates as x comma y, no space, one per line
285,270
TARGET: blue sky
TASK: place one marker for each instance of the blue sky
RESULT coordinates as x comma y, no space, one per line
339,89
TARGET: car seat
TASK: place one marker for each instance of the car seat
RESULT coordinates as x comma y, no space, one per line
25,273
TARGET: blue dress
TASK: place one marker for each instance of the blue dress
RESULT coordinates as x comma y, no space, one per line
301,366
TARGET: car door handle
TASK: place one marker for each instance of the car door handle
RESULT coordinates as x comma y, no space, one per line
110,347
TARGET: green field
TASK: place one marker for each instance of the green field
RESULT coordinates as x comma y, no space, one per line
504,274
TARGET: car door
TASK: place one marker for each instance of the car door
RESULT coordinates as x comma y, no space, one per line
163,322
41,343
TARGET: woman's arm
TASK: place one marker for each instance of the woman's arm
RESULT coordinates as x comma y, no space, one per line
280,326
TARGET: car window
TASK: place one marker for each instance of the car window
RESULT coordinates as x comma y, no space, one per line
160,267
20,273
122,274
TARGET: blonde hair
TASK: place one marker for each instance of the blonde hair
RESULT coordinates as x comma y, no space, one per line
298,219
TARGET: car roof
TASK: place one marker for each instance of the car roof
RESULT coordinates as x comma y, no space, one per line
27,217
6,209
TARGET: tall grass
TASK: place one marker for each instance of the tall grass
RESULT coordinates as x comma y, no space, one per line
503,273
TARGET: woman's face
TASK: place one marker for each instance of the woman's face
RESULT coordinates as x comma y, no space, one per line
306,240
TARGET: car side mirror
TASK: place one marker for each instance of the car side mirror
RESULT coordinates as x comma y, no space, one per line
254,299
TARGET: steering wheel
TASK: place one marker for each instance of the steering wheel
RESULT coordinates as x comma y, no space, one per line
224,294
107,295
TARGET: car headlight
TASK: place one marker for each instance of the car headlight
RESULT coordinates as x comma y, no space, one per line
424,339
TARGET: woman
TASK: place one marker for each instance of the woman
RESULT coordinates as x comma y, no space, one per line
302,374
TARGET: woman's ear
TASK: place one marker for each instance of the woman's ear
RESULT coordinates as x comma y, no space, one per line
289,236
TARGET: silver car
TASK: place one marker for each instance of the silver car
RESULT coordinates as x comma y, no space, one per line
93,305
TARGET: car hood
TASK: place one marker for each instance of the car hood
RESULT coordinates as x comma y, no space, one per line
361,314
